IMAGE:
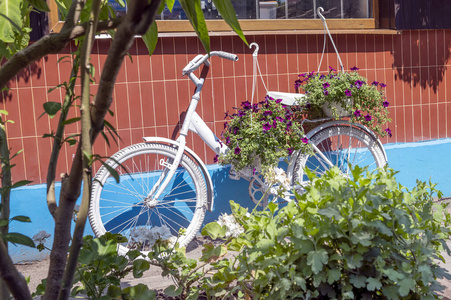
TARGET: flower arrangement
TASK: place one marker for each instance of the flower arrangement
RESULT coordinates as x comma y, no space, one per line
348,91
261,134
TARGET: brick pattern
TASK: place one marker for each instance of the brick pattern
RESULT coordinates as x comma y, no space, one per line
151,93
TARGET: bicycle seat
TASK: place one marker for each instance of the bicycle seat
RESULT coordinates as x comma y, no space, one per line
288,98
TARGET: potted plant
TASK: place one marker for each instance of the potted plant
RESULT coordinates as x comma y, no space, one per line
346,94
259,135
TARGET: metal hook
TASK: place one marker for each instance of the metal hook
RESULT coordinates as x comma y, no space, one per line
319,11
256,48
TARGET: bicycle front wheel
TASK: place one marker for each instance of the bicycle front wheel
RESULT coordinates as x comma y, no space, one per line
129,208
342,146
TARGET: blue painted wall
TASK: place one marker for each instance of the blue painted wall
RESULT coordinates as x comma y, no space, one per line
424,161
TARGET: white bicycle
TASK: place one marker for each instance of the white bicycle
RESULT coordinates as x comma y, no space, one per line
164,183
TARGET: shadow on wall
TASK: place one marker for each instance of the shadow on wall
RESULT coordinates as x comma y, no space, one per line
422,58
22,78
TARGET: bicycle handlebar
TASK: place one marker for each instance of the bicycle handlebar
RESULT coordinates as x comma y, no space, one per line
203,59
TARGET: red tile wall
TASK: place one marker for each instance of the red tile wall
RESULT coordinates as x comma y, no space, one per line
151,93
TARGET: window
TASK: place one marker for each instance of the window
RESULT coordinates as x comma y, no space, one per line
282,9
284,15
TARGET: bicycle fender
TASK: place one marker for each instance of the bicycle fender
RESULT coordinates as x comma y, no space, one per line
210,194
358,125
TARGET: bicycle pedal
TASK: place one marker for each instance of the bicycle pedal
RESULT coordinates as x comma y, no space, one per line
234,175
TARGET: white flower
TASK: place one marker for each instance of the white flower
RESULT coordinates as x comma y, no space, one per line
39,238
277,176
234,229
148,236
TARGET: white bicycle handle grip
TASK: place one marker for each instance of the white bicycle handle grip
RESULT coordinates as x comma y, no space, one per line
227,55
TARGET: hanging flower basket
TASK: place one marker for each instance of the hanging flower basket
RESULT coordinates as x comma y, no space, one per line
259,135
346,94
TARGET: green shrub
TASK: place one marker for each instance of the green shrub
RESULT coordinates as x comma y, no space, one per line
365,237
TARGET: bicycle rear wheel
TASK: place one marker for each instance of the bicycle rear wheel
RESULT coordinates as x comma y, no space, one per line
128,207
342,146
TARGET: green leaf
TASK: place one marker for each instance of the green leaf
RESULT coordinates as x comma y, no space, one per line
150,38
172,291
358,281
214,230
18,238
20,183
225,8
373,284
10,20
4,222
112,171
39,5
139,267
21,219
51,108
139,292
405,286
195,15
316,259
70,121
170,4
212,253
330,212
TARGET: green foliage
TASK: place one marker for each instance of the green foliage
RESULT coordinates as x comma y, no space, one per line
100,270
365,237
261,134
15,24
368,105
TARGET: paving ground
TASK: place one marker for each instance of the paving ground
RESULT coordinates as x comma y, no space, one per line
153,279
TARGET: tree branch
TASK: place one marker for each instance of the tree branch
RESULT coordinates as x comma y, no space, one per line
49,44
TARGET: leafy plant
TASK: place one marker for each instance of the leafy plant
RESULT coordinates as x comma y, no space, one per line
365,237
260,134
363,102
100,269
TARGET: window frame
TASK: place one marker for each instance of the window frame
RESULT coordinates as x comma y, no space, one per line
255,25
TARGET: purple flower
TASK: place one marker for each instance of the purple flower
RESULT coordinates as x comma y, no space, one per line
326,92
368,117
375,83
280,119
226,114
348,93
354,68
388,131
225,125
311,74
215,159
308,105
289,123
246,105
303,75
332,69
304,140
237,150
322,76
386,103
255,107
382,85
359,83
241,113
253,171
227,140
278,100
297,84
267,113
357,113
326,85
235,130
290,150
332,76
266,127
274,123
